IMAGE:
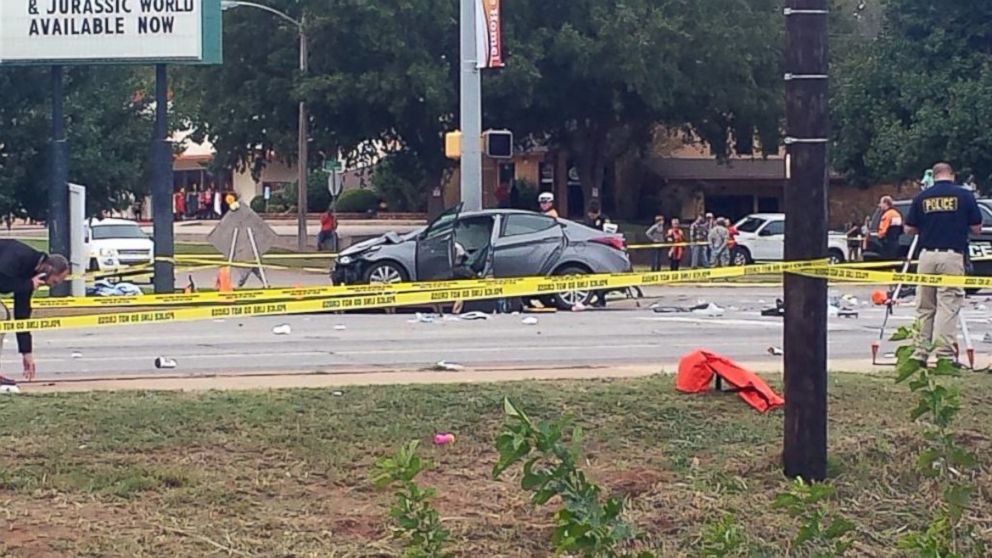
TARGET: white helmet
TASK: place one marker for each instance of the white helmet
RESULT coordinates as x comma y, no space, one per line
546,197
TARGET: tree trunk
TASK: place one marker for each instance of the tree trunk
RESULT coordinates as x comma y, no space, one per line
590,151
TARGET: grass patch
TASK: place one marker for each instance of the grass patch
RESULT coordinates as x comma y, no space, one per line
282,473
202,249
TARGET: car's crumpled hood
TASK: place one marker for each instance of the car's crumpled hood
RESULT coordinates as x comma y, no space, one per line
388,238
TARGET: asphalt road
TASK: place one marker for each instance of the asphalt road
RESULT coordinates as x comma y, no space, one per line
621,335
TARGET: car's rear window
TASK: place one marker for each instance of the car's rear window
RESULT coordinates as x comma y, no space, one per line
518,224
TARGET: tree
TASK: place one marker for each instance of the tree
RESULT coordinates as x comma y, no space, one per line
108,126
381,80
594,77
597,77
921,91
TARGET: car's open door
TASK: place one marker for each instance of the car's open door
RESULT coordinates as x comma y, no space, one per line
436,247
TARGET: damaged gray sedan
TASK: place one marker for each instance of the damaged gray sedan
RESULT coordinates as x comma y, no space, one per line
489,243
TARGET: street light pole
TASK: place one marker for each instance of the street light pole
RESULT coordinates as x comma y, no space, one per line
303,126
471,109
301,204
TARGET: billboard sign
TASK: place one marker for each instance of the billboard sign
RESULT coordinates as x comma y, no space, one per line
110,31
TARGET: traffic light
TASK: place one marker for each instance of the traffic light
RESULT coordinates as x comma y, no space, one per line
453,145
498,144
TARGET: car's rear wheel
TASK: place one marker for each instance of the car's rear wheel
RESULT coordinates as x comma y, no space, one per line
742,256
835,256
385,273
570,299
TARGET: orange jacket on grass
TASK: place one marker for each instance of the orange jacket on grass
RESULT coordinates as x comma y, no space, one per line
697,371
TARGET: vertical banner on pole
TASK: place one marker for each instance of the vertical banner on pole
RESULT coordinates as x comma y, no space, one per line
489,34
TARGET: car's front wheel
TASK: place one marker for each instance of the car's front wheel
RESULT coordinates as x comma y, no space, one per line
385,273
742,256
835,256
570,299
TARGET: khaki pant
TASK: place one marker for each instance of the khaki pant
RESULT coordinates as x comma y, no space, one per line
937,309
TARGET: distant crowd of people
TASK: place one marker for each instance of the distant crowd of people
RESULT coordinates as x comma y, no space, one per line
710,241
201,204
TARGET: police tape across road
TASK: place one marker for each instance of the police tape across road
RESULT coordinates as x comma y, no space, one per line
273,302
840,272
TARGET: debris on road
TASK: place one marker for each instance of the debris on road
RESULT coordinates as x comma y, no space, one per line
709,310
579,307
77,355
337,393
165,363
340,327
529,321
443,366
473,316
777,312
775,351
283,329
424,319
9,389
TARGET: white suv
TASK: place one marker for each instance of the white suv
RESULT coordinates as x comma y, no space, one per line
116,243
762,239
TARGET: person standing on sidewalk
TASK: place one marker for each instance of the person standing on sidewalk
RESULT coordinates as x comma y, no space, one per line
328,231
890,228
23,270
943,216
699,236
677,237
656,234
719,239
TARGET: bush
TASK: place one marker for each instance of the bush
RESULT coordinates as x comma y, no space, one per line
400,179
358,201
258,204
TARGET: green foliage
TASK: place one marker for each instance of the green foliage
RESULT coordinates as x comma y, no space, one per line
416,519
919,92
402,181
723,539
258,204
823,533
586,524
108,125
358,201
948,467
526,196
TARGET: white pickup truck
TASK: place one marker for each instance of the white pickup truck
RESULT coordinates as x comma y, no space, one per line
116,243
761,238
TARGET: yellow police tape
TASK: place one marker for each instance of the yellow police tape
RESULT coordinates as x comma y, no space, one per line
214,305
321,299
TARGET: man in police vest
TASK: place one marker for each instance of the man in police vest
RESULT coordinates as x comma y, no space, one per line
943,216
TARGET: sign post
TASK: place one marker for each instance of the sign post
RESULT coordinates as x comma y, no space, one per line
61,33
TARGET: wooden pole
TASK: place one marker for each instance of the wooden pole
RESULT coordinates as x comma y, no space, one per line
805,344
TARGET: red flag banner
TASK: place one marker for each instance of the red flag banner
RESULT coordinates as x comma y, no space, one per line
489,34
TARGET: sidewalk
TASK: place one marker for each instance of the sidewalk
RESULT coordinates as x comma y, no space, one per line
378,376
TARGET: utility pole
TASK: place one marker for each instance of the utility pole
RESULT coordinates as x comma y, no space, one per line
161,166
58,186
304,132
805,344
471,109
